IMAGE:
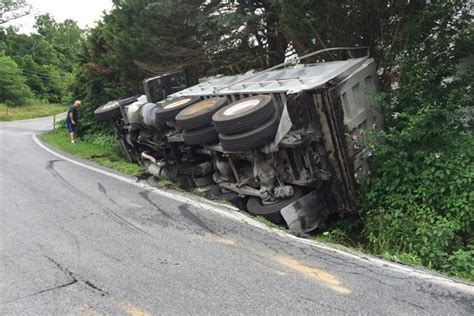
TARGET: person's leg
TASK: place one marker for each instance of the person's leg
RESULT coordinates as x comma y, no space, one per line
74,133
70,129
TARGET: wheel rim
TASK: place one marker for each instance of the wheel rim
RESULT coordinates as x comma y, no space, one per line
201,106
240,107
109,105
176,103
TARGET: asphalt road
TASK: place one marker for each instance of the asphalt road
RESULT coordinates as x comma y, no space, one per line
75,241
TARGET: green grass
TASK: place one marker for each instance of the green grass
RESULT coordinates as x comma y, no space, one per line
35,110
265,221
102,150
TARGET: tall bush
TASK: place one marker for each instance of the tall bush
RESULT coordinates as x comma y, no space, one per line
418,201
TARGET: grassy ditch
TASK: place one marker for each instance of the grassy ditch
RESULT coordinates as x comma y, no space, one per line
100,149
8,113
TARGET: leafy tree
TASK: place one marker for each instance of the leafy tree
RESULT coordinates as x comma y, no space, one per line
311,25
95,82
13,9
239,35
65,37
46,59
39,62
13,89
155,37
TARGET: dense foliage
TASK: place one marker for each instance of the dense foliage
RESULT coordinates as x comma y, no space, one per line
45,60
418,202
13,89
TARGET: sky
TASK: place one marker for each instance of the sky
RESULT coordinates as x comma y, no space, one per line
85,12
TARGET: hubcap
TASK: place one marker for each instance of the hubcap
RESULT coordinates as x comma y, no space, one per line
109,105
240,107
176,103
201,106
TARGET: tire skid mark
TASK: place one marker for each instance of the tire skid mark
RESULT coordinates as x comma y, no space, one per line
145,195
107,211
123,222
50,168
74,239
101,188
186,213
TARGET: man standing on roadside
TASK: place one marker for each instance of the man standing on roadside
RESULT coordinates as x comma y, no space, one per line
72,118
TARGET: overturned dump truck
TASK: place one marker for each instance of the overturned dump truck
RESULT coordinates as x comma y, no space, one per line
278,142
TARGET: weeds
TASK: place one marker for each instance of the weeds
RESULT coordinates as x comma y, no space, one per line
102,149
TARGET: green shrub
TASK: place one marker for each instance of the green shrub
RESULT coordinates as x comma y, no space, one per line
103,140
460,263
424,206
418,202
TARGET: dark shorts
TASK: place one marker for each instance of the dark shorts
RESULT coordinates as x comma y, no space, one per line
71,128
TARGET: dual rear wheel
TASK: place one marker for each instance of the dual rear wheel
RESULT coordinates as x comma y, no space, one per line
247,123
240,126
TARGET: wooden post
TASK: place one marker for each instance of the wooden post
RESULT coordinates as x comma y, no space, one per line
54,123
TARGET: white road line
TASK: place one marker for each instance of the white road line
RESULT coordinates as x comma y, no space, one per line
232,213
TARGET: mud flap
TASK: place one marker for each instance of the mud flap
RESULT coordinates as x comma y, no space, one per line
305,214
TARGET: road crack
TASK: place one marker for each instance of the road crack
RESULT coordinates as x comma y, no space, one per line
72,279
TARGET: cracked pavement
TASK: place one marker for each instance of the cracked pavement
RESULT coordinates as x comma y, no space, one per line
74,241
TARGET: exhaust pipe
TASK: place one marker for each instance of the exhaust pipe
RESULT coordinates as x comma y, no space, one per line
158,168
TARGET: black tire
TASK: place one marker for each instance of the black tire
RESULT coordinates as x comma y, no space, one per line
111,110
108,111
253,112
199,114
272,211
231,197
251,139
200,136
203,181
169,110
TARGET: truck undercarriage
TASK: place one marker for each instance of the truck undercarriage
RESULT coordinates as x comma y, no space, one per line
278,142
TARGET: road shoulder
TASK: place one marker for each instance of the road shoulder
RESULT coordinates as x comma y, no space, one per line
233,213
